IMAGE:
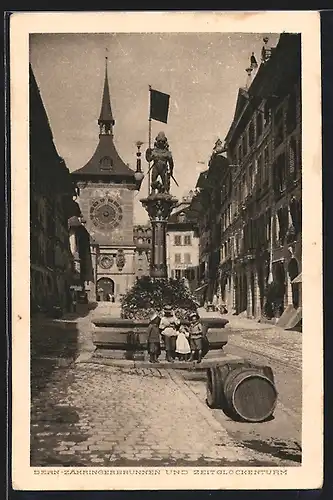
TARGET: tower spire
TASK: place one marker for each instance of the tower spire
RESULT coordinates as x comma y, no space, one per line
106,121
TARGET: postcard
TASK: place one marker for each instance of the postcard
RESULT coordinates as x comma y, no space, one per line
167,326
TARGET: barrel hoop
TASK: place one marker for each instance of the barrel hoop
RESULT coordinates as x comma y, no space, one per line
244,378
214,388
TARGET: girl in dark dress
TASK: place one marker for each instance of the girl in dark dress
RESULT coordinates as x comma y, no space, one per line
153,339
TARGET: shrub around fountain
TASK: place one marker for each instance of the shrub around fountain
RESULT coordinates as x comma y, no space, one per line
150,294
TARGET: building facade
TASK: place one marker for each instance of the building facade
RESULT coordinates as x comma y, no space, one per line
261,213
106,187
183,244
206,210
248,201
142,239
79,242
51,260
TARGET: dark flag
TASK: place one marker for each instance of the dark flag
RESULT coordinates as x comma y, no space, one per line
159,106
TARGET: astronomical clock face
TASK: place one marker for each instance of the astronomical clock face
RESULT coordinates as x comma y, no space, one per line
106,213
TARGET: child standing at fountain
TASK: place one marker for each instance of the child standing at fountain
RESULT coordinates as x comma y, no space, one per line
196,337
182,345
153,339
168,325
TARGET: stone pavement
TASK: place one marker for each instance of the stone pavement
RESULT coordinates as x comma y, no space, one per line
270,341
90,415
239,322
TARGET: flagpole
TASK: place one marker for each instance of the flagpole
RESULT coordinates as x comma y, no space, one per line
149,137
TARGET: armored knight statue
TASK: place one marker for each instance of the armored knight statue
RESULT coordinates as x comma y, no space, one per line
162,168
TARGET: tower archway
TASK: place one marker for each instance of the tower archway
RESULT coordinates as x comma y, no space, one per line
105,289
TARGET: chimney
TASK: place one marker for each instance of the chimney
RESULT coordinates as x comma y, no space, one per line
249,77
266,50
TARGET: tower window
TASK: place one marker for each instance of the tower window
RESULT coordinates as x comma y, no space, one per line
106,163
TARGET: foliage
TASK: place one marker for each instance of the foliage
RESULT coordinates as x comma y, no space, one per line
150,295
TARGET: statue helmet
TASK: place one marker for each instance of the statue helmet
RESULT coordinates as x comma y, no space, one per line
161,137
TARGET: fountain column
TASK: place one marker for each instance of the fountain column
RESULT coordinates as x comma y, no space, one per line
159,207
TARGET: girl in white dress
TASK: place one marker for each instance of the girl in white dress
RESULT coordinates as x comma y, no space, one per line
182,344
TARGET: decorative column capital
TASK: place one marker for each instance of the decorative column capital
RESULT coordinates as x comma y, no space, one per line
159,206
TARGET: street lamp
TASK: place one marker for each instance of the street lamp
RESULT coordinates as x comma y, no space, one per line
138,175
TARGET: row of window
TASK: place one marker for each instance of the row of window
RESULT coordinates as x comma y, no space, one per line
252,133
284,169
256,233
256,175
180,240
187,258
285,120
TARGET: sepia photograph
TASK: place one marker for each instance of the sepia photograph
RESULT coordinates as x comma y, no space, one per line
166,233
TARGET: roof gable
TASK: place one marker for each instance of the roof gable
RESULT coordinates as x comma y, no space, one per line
105,162
240,103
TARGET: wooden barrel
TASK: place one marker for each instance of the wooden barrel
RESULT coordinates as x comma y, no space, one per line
214,388
250,394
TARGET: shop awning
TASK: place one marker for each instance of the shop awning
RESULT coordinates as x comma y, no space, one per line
298,279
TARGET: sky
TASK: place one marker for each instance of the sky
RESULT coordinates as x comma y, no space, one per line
201,71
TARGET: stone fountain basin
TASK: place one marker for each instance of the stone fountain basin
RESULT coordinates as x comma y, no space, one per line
118,333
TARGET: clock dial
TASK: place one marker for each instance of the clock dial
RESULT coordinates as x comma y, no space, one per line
106,213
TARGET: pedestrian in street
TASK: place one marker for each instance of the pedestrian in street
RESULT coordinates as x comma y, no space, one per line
196,337
168,325
182,344
153,339
215,301
74,300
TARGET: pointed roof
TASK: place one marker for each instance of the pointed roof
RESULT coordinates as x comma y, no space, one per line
106,112
106,162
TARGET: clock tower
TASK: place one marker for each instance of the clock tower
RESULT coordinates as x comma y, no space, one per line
106,187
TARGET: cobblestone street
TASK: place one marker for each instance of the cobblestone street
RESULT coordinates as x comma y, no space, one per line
97,415
86,414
